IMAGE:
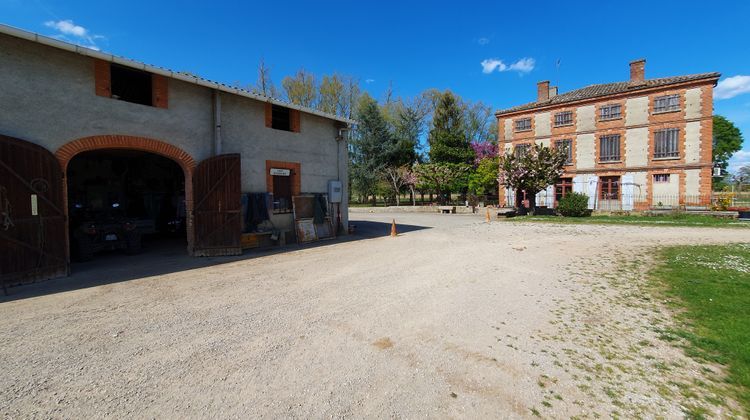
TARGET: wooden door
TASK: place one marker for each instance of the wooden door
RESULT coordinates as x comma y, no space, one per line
33,241
217,220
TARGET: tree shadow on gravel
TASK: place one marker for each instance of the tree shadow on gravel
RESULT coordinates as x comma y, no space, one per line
170,257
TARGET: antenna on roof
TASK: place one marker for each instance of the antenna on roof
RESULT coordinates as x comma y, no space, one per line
557,72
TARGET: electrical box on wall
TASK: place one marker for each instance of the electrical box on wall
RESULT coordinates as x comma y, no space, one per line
335,191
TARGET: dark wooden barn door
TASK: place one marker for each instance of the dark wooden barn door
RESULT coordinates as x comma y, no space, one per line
32,215
217,222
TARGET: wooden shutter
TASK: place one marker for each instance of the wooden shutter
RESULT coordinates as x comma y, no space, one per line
269,114
217,221
294,117
102,77
160,91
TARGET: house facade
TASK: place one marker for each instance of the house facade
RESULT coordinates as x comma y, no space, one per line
631,145
71,117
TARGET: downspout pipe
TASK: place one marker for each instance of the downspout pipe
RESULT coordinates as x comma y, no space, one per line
217,122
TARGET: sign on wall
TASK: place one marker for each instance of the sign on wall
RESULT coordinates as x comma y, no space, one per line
281,172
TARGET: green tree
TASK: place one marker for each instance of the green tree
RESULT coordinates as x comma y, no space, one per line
301,89
448,140
332,94
726,142
483,180
532,170
442,177
367,146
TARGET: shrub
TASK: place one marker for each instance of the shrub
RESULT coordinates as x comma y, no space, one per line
574,205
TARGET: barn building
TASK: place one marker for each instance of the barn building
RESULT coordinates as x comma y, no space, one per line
83,130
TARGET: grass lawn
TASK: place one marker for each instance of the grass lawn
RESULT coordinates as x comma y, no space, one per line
679,219
710,287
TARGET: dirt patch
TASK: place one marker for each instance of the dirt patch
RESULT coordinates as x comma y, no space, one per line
515,319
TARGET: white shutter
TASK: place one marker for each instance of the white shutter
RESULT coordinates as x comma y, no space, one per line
550,196
510,197
626,183
593,183
578,184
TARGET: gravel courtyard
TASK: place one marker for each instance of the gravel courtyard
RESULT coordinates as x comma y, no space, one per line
454,318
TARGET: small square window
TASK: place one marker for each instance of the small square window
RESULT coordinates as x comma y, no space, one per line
521,149
566,145
610,112
609,148
661,178
281,118
131,85
667,103
563,118
666,143
523,124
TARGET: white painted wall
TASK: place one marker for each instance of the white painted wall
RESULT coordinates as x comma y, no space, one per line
693,103
542,124
586,118
692,184
693,142
585,151
640,185
636,111
636,147
667,193
508,129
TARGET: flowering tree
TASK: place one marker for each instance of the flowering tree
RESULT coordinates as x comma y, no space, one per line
398,177
410,180
532,170
484,150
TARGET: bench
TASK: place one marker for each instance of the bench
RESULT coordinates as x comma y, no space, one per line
447,209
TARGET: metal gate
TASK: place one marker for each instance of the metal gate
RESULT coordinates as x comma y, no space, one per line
217,222
32,217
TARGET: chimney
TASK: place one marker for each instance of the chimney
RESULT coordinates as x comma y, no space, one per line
638,72
542,91
552,92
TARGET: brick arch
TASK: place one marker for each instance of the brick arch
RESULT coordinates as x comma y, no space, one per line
69,150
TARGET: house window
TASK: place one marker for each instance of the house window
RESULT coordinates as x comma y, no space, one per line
523,124
282,193
563,118
281,118
609,148
610,112
661,178
521,149
566,145
666,143
131,85
609,188
563,188
667,103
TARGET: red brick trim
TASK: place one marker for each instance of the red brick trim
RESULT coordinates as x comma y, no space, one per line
296,169
65,153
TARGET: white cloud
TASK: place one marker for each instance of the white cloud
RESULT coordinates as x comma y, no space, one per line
522,66
483,41
368,81
731,87
738,160
81,36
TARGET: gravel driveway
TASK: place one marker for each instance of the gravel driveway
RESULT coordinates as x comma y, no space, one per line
453,318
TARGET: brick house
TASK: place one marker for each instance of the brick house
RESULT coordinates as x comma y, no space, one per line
631,145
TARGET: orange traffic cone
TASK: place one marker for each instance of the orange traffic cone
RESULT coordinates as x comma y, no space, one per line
488,216
393,229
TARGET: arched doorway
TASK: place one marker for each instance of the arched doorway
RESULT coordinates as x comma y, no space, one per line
129,201
121,149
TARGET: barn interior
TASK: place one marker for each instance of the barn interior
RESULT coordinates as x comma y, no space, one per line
117,195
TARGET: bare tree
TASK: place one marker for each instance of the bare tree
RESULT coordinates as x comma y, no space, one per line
264,85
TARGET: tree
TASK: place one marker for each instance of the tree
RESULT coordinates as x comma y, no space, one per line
532,171
332,94
726,142
301,89
397,178
478,120
484,150
741,177
442,177
483,180
367,149
447,138
264,85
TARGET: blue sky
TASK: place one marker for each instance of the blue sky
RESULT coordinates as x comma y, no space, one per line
420,45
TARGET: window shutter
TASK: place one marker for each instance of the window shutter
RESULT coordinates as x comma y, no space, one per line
593,183
627,192
102,78
269,114
160,91
294,115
